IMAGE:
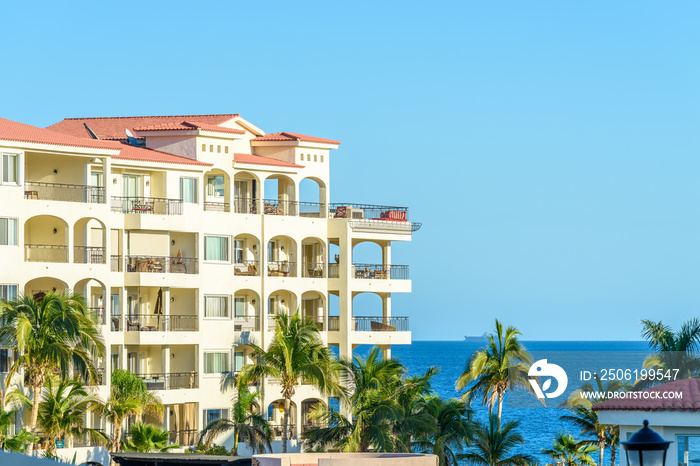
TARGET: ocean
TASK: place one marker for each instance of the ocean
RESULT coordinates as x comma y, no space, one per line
538,425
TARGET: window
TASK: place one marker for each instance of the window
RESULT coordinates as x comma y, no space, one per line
225,149
211,147
302,157
688,449
240,306
8,292
315,158
214,414
238,247
238,361
204,147
5,355
215,306
218,149
216,248
188,190
321,159
96,179
8,232
10,168
215,186
216,363
308,157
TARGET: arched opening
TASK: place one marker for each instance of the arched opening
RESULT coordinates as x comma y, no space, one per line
312,198
246,193
246,311
46,239
40,287
246,250
217,191
280,196
275,415
280,302
313,258
372,312
307,408
95,294
281,257
372,260
89,241
313,308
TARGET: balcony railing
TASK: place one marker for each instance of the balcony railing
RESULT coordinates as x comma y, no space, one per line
159,323
333,323
184,438
246,323
64,192
381,324
98,315
381,272
277,207
245,205
170,381
45,253
216,206
99,376
312,209
333,270
88,254
146,205
278,431
161,264
281,269
368,211
115,322
313,270
115,263
246,268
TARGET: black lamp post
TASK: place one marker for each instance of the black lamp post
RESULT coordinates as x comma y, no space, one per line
646,448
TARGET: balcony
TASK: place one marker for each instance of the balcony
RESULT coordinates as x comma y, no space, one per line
313,270
380,324
245,205
381,272
146,205
159,323
276,207
278,431
333,323
88,254
281,269
45,253
217,207
115,263
246,324
98,315
170,381
312,209
64,192
160,264
246,269
370,218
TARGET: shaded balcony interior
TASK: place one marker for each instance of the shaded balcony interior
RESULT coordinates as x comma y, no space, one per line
307,408
275,416
41,286
68,178
164,367
281,257
313,255
372,313
313,308
371,260
280,196
313,198
280,302
89,241
155,309
246,191
246,250
217,191
161,252
246,311
46,239
143,192
179,419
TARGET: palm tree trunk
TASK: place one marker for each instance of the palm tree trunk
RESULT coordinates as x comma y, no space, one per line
287,403
234,450
613,454
117,435
500,409
601,451
36,393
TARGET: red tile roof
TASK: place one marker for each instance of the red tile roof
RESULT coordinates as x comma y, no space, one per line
285,136
188,125
113,127
653,399
259,160
20,132
142,154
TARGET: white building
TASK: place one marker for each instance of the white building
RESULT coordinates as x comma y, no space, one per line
187,233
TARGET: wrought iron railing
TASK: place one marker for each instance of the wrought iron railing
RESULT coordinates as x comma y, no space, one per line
381,272
281,269
278,431
146,205
45,253
115,322
97,314
184,438
170,381
64,192
216,206
313,270
380,324
162,264
88,254
312,209
245,205
333,323
368,211
277,207
333,270
160,323
115,263
246,268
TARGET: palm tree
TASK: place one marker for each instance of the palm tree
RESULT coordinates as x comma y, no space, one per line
62,410
503,364
586,419
673,350
374,409
147,438
451,432
295,353
248,425
54,334
17,443
493,445
128,396
568,452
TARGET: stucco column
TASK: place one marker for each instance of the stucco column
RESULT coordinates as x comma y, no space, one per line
386,305
386,253
386,351
166,417
166,365
345,296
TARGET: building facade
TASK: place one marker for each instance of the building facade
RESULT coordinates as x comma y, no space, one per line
186,235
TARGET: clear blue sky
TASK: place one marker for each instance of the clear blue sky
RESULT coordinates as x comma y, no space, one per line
550,148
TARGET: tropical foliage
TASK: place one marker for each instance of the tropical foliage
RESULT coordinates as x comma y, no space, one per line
673,350
495,445
568,452
147,438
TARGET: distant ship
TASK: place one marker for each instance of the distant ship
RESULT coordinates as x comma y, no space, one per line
483,337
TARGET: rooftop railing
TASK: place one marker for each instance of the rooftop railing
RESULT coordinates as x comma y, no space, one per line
368,211
146,205
45,253
162,264
64,192
380,324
